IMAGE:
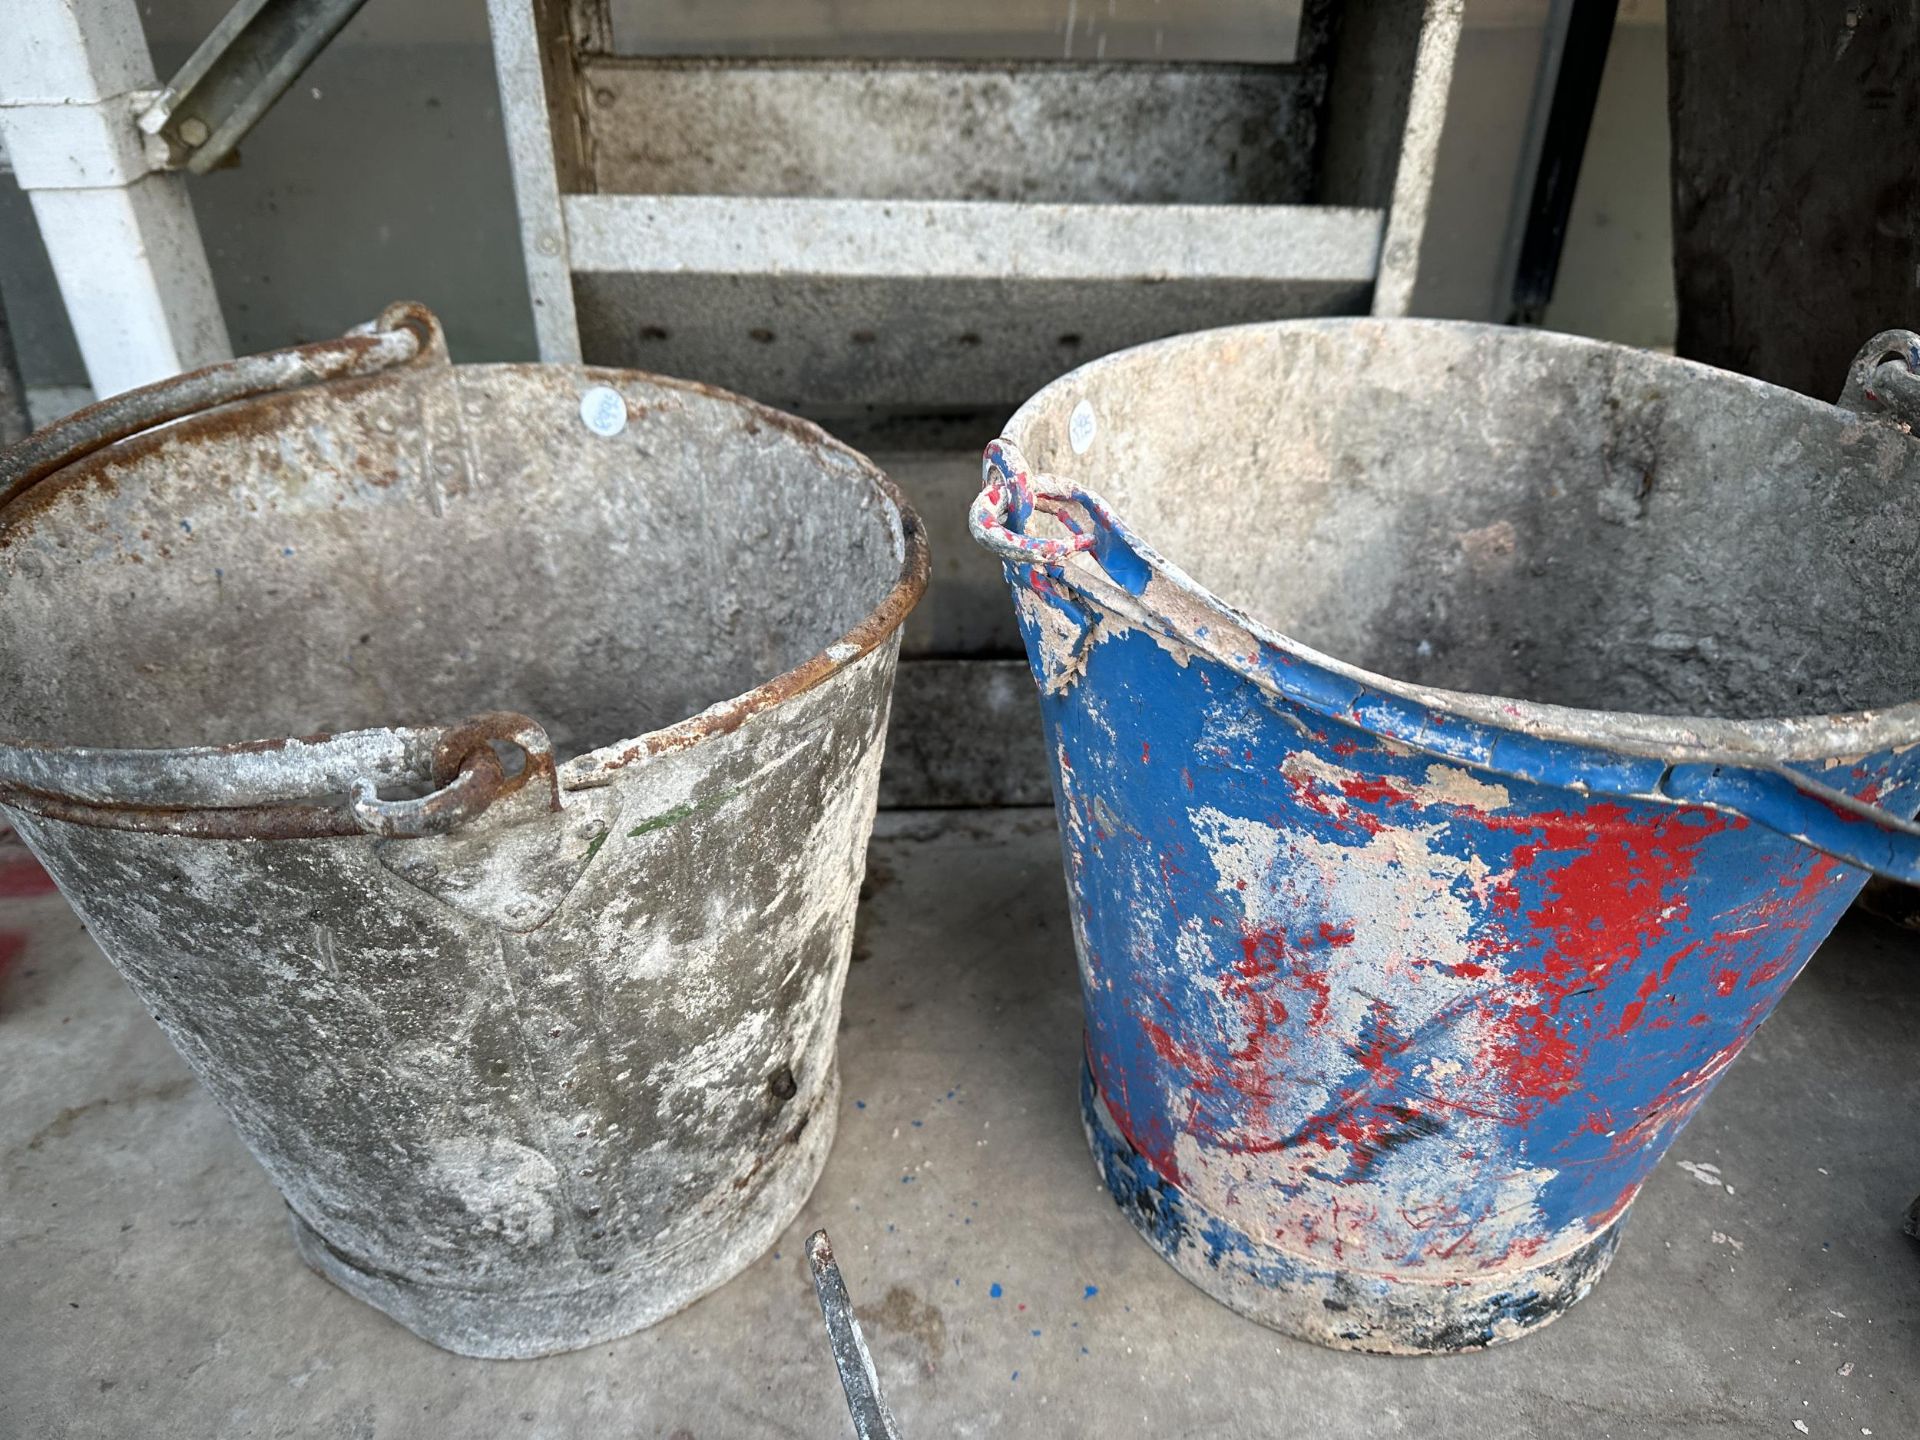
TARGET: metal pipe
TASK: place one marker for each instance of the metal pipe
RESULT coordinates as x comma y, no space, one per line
247,61
872,1420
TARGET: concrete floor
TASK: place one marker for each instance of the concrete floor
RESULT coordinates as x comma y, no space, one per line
148,1286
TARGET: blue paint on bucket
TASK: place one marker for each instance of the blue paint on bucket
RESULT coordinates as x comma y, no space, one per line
1391,1010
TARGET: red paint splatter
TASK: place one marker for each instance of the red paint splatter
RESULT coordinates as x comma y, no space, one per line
1673,1106
1330,808
1788,907
1174,1053
1725,982
1618,887
1247,987
1292,961
1521,1247
1374,791
1598,1122
1250,1066
21,877
1614,1211
1630,1016
1322,990
1156,1150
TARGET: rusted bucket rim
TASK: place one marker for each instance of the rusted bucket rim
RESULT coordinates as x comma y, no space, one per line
326,785
598,767
1840,737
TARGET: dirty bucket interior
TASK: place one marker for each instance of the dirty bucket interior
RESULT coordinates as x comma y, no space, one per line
1514,513
429,545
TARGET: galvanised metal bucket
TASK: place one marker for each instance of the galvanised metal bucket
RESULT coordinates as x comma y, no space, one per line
532,1024
1397,988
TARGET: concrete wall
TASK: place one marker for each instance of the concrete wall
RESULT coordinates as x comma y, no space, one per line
383,174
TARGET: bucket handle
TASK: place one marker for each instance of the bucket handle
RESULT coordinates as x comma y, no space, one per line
403,332
247,791
1765,793
1008,497
237,792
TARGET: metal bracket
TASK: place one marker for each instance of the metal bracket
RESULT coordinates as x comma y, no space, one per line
123,243
1578,36
245,64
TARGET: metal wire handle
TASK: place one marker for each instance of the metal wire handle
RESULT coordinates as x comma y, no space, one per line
1007,499
238,792
1010,494
402,333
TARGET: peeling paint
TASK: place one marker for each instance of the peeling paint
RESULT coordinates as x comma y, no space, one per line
1395,996
1371,1015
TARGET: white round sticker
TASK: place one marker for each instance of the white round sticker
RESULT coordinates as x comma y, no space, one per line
1080,427
603,410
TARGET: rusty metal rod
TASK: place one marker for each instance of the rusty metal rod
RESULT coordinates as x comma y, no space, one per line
398,338
872,1420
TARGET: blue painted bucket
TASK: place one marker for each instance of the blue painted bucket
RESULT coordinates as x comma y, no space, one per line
1406,952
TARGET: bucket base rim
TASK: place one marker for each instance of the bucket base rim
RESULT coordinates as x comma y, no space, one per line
506,1326
1325,1306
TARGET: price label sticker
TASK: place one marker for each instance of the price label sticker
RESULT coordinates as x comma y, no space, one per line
1080,427
603,411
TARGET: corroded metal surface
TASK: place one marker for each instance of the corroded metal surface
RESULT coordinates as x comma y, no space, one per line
533,1025
1395,993
400,336
872,1420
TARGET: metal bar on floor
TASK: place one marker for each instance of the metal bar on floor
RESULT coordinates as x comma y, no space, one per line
872,1420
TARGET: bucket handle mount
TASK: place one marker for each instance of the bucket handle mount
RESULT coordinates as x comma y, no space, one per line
1883,382
245,792
1762,792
